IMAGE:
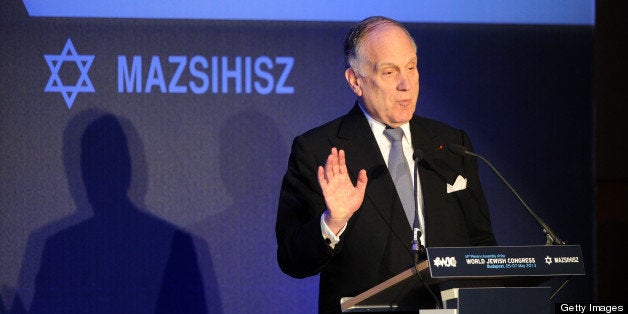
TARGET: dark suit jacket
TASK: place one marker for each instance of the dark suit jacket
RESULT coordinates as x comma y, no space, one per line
376,243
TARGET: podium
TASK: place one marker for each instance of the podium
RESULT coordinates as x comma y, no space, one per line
470,280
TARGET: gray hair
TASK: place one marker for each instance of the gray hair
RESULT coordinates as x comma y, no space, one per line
356,36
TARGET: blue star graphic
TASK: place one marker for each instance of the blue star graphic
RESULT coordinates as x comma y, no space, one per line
83,84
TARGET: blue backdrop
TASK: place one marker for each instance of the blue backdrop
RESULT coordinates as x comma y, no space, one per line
194,118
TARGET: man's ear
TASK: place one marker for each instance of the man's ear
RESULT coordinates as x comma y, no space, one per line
354,83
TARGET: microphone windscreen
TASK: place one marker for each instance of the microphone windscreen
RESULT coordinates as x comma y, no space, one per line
417,155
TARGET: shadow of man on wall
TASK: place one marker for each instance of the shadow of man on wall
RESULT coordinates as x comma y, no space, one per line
122,259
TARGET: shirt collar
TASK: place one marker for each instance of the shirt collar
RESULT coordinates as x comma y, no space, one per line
378,127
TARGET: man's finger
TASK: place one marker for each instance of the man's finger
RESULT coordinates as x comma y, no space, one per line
329,166
362,181
335,166
342,162
322,180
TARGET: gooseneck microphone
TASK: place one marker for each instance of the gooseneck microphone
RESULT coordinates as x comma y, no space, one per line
550,235
417,247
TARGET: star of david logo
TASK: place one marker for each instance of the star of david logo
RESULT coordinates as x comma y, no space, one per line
548,260
83,84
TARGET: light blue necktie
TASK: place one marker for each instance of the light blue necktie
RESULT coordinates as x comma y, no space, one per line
400,172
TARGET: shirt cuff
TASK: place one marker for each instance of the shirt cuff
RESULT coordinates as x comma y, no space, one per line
329,236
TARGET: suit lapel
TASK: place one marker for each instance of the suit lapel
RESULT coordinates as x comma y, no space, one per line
356,138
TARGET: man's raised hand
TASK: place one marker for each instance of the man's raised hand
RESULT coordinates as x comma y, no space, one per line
341,196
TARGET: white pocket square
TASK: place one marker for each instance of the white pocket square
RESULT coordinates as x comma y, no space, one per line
460,184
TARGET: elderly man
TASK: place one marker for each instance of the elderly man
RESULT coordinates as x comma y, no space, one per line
343,212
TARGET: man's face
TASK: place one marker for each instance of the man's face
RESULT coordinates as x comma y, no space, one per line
387,78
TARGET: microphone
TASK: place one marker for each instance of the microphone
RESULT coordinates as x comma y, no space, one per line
551,237
417,247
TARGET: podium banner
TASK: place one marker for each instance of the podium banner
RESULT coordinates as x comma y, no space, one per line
496,261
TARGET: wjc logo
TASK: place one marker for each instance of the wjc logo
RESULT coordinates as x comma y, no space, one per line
445,262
